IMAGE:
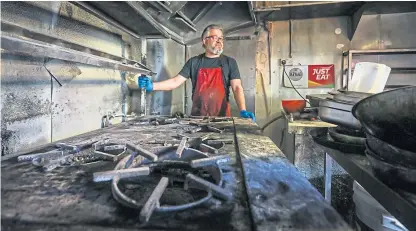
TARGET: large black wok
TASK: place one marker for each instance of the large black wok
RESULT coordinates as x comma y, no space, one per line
390,116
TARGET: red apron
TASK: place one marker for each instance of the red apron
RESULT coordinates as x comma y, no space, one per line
209,98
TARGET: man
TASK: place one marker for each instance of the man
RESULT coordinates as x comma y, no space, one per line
212,74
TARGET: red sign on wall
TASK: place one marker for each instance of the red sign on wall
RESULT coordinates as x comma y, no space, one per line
320,76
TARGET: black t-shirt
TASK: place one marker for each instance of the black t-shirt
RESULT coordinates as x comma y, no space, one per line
229,67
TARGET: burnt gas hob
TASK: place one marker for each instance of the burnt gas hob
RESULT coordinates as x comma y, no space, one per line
179,167
187,177
162,174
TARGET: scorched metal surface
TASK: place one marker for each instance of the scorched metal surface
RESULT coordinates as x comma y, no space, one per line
280,198
267,192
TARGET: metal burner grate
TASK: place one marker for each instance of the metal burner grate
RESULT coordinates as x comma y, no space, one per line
70,155
177,171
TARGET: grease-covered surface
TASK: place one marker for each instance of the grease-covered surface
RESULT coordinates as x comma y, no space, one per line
25,102
67,198
36,110
280,197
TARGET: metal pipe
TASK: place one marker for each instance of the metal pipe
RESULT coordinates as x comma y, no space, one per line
143,101
186,83
87,7
274,8
252,14
269,52
290,35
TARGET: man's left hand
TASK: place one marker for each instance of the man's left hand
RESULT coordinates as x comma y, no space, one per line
247,114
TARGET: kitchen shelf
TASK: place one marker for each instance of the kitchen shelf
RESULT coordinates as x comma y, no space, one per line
42,49
348,57
399,203
386,51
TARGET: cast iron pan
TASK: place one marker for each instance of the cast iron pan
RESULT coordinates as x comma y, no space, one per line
320,136
390,153
342,138
390,116
393,175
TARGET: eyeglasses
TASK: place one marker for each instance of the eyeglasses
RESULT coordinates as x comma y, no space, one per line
216,38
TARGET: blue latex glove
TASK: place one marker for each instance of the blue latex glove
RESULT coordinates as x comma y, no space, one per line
247,114
145,82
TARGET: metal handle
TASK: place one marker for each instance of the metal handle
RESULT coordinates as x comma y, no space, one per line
143,102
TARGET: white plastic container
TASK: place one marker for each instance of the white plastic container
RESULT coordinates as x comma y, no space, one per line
369,77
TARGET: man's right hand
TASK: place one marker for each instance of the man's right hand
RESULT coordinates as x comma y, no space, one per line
145,82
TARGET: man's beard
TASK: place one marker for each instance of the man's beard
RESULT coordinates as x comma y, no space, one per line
215,51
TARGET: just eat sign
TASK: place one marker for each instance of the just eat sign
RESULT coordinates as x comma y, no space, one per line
321,76
311,76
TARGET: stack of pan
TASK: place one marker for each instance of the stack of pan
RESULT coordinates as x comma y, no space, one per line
389,122
338,110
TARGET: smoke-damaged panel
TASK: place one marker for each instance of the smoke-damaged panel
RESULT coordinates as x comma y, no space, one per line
25,103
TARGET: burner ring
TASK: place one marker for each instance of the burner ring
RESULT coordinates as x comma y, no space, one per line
215,171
